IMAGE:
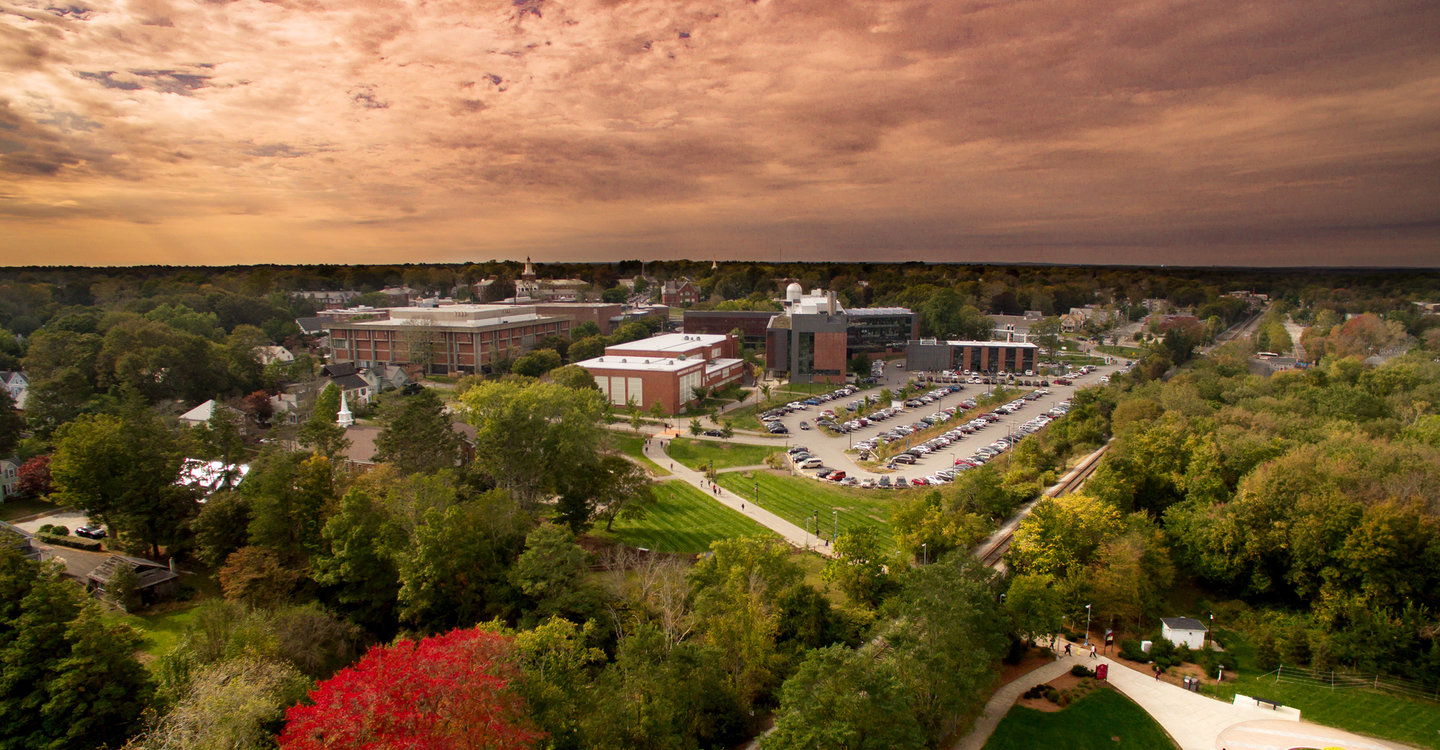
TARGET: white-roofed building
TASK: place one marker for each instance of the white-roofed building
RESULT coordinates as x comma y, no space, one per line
666,369
448,338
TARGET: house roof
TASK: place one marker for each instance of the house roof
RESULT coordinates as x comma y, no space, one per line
148,572
201,413
350,382
311,325
339,369
1183,623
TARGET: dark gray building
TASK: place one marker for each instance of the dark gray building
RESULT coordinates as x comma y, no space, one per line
971,356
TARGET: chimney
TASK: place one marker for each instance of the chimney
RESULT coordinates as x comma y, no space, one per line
830,302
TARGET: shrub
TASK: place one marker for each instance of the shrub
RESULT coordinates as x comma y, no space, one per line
1080,670
1064,699
1131,650
46,528
59,530
1183,654
1052,695
91,545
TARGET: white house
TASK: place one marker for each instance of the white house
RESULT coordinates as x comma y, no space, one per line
17,384
1186,630
9,479
200,415
267,354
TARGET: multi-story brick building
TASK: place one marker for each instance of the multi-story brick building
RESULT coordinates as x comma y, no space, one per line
445,339
666,369
678,293
750,323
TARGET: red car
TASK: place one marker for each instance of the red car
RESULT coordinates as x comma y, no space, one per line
837,476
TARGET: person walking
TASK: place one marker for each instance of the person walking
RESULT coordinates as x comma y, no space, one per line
1067,650
1092,652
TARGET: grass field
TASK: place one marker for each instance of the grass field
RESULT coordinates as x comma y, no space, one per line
683,520
162,630
1378,714
631,446
25,506
798,499
1094,721
697,454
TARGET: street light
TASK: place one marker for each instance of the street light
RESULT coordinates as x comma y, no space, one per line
837,524
1087,624
925,546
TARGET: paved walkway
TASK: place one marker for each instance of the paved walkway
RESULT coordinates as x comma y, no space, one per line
1000,703
793,534
1194,721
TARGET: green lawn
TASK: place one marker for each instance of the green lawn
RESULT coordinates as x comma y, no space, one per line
697,454
1091,722
1391,717
162,630
683,520
21,507
631,446
798,499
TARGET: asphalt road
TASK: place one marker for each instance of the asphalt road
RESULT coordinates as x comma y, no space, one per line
832,450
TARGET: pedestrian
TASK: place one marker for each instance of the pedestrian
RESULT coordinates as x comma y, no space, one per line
742,506
1067,649
1092,652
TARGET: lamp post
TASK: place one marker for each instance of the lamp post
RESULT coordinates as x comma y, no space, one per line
837,524
925,546
1087,624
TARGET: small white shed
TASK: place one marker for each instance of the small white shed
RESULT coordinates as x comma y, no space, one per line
1186,630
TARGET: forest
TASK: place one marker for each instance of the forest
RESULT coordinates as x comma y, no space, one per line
451,603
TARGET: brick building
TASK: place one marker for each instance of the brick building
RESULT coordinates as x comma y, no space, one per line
666,369
751,323
446,339
677,293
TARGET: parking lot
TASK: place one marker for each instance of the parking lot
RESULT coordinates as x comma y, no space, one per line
930,461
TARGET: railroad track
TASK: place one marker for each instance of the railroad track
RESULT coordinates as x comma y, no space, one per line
991,555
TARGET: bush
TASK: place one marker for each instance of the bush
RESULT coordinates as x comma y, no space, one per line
1064,699
1080,670
91,545
46,529
1052,695
58,530
1131,650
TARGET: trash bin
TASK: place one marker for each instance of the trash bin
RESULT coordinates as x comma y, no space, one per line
1187,683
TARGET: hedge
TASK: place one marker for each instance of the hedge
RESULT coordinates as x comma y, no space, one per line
91,545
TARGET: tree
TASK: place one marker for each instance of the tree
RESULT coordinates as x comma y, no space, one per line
259,407
573,376
606,487
842,698
321,430
582,349
454,572
221,436
235,703
529,434
358,563
551,573
221,527
447,691
67,677
122,470
11,424
657,410
858,567
258,577
289,496
536,363
35,476
614,295
1034,606
860,364
695,428
416,433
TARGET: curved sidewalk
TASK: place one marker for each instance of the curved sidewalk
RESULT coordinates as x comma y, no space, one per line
791,533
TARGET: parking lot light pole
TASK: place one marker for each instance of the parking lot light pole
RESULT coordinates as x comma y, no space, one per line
837,524
1087,624
925,546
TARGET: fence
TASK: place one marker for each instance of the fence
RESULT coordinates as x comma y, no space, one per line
1332,680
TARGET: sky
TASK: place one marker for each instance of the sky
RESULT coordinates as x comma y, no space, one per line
1212,132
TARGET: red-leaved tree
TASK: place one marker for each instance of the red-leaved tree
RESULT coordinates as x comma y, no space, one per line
35,477
446,692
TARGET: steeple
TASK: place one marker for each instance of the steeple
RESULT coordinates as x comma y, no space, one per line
344,418
529,272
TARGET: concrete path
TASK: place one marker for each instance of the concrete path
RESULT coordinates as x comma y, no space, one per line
1000,703
791,533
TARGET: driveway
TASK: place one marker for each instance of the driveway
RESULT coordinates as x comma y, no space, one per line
70,519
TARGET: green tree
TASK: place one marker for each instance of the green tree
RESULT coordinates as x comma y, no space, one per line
259,577
122,470
695,428
221,527
236,703
604,488
529,434
536,363
859,567
582,349
840,698
552,574
11,424
357,565
320,430
615,295
289,497
573,376
221,437
1034,605
416,433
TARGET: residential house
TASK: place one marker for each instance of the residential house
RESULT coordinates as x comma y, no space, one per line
200,415
18,386
268,354
327,298
9,478
155,581
356,385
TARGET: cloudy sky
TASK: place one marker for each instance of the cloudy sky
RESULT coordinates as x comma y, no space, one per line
1212,132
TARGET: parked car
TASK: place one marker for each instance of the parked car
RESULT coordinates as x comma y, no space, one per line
713,433
91,532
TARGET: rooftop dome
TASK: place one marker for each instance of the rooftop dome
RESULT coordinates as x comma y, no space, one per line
793,292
